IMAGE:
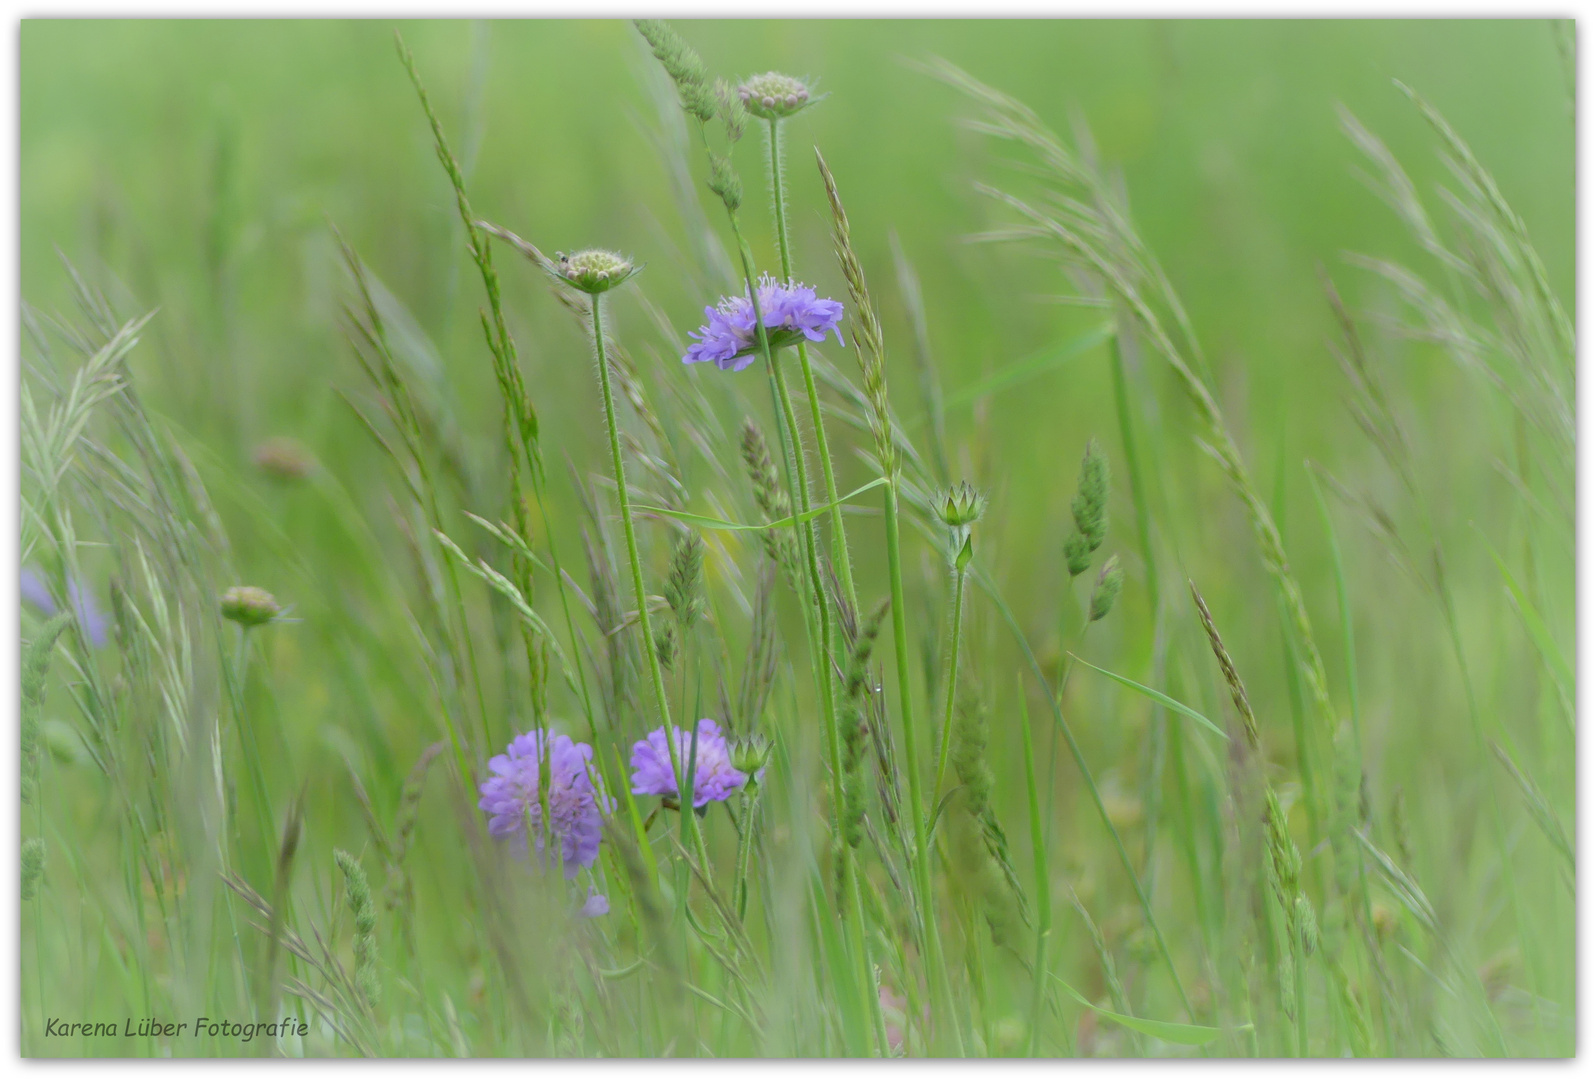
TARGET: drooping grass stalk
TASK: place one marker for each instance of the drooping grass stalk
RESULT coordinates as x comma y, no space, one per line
839,536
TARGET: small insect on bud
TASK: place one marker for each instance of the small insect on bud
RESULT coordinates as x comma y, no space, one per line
250,606
773,96
594,271
750,755
1106,591
284,459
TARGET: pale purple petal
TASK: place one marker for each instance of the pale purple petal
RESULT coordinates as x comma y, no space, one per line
714,778
576,799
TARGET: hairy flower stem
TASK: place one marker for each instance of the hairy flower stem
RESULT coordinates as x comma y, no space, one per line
931,941
825,684
839,536
952,680
684,786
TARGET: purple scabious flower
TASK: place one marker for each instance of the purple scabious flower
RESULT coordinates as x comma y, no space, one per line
714,776
90,617
790,310
576,798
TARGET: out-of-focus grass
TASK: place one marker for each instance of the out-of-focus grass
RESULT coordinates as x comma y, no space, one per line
195,167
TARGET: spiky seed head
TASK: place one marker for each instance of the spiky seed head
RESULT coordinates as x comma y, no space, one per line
723,181
684,588
284,458
1089,509
1307,926
750,754
684,66
733,113
1077,554
665,644
1106,591
250,606
594,271
32,866
774,96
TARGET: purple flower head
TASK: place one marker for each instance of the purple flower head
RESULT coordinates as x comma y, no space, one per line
595,905
90,618
714,776
789,311
576,798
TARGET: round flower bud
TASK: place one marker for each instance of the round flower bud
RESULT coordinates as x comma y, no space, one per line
594,271
773,96
249,606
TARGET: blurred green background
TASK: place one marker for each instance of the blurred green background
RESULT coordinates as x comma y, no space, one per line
196,167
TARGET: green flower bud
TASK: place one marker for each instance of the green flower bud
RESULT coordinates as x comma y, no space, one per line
961,506
249,606
773,96
594,271
750,754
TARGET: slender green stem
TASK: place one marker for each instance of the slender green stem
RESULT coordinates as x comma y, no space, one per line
1300,979
839,536
535,466
1044,894
931,941
684,787
952,681
1144,532
820,612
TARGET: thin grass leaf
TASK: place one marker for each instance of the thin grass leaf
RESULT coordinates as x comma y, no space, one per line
1182,1034
1162,699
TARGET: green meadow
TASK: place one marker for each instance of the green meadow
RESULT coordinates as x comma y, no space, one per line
1140,625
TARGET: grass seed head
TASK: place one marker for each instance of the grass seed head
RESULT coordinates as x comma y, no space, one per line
1106,591
684,66
1090,510
684,588
32,867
